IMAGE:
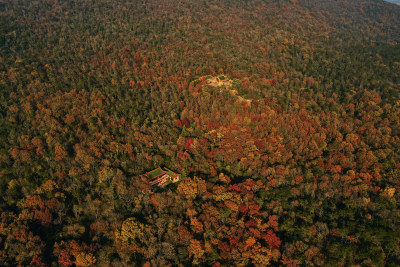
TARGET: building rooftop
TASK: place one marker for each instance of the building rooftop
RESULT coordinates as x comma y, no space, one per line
155,173
161,177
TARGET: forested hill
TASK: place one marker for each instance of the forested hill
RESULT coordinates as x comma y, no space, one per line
281,116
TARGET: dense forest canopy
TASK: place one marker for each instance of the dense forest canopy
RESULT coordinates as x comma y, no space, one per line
281,116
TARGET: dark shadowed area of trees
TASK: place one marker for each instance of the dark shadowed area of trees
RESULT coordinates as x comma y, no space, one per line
297,164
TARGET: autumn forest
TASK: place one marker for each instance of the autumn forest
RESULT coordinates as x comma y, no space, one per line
279,119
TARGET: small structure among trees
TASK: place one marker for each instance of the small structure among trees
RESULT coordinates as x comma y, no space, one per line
160,177
218,81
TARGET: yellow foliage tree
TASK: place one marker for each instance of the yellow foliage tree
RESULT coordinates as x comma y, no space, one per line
130,230
84,260
188,188
131,236
195,249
